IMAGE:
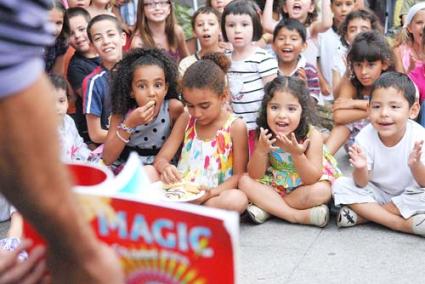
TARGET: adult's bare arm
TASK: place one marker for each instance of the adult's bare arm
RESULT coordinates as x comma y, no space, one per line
36,182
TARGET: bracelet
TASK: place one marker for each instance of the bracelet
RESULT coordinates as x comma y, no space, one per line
127,129
121,138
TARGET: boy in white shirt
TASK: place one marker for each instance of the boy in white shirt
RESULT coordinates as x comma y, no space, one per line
389,171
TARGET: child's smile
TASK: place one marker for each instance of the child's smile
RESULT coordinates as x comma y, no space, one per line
283,113
388,113
288,44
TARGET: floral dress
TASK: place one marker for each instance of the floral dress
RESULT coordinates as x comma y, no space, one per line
282,174
208,163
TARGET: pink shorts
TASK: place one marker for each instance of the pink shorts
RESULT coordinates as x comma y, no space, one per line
251,141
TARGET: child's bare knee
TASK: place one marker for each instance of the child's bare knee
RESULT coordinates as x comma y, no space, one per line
244,182
320,193
235,200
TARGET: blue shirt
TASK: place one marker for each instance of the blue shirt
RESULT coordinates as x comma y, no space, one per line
96,93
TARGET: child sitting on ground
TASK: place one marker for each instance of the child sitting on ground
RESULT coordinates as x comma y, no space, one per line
388,180
290,172
54,54
156,26
206,28
289,41
108,39
252,67
144,106
370,56
82,63
73,147
213,141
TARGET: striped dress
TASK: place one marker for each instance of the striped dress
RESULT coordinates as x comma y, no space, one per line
246,85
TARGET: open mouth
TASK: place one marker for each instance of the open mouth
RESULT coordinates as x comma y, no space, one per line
206,36
287,50
108,50
297,7
282,124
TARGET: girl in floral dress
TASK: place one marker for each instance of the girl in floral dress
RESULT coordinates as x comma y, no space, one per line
214,152
290,172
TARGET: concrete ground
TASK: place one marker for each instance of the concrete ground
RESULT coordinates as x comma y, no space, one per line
279,252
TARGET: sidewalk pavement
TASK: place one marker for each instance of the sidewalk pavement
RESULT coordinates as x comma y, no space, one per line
279,252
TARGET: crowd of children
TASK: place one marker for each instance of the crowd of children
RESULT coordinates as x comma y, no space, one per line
245,116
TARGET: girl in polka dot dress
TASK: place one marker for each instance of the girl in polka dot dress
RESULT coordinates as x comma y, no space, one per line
144,106
213,141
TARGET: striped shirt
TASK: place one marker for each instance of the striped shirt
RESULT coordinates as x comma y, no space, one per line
311,74
96,95
246,84
24,32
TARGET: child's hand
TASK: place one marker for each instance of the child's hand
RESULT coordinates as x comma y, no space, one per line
265,142
141,115
225,46
324,87
205,197
170,174
302,75
343,103
357,157
28,271
415,155
412,63
291,145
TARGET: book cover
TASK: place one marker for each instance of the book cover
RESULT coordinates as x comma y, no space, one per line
156,241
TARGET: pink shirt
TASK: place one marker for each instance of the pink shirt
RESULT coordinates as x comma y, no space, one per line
417,75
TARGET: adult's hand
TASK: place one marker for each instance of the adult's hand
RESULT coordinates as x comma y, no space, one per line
99,266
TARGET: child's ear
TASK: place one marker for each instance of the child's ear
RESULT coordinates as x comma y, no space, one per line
123,39
304,46
166,88
414,110
385,65
225,97
312,7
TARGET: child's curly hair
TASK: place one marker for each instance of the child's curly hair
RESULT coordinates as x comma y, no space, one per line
122,76
298,89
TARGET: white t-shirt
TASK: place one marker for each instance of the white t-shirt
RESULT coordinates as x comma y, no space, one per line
339,63
388,165
246,85
312,51
6,209
73,147
328,45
